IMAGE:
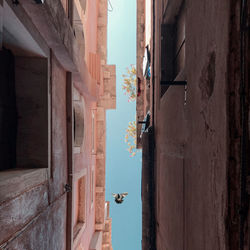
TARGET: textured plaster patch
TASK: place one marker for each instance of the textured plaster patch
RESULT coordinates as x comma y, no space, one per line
207,78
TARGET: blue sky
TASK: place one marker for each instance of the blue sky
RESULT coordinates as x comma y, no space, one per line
123,173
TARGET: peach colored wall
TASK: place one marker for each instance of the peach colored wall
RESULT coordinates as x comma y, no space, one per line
84,161
87,159
46,204
91,26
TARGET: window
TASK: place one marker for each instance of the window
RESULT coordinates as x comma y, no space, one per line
92,186
82,201
8,111
24,98
172,50
78,121
24,111
78,23
24,105
93,131
78,124
81,207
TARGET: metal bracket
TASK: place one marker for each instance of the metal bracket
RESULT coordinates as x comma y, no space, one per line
67,188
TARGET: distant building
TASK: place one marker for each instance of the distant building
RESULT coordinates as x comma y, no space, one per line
55,89
193,77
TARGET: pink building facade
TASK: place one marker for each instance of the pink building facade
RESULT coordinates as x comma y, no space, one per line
55,89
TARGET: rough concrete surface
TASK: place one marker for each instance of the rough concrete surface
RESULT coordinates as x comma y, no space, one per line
191,144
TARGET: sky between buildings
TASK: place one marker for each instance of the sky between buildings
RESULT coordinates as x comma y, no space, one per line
123,173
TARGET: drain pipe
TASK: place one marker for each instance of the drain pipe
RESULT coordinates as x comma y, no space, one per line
243,165
68,187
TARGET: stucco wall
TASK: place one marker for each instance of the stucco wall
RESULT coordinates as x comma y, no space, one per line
84,162
36,218
39,214
44,232
191,158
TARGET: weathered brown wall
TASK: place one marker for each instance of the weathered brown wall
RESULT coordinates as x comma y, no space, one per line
147,192
191,136
36,218
45,231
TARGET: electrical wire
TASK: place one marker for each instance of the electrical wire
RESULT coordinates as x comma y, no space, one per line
109,3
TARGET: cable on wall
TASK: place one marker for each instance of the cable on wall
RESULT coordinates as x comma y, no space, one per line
110,5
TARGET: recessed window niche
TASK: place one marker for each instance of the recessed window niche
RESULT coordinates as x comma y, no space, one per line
32,110
78,106
24,112
173,50
24,97
24,105
80,208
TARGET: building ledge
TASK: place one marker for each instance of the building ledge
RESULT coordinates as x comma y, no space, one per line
54,26
16,181
99,226
96,241
78,231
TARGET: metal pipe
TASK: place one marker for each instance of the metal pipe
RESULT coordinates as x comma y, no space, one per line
243,195
70,122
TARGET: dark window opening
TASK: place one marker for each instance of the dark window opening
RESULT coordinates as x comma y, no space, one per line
8,111
24,128
172,50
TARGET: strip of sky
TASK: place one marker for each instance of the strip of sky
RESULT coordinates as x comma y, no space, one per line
123,173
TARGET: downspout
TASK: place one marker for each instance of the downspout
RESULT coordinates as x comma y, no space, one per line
243,151
69,185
